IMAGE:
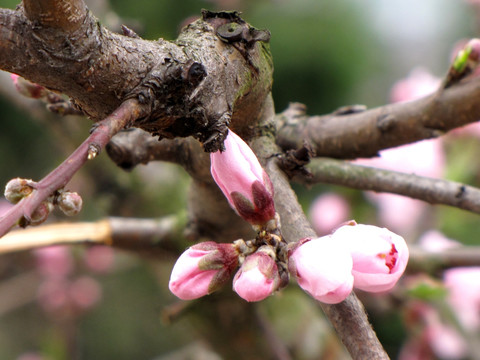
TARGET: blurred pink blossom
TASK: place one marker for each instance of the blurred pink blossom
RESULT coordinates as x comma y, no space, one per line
85,292
417,84
257,278
323,269
31,356
54,261
202,269
61,296
379,255
53,295
435,241
425,158
100,258
463,284
328,211
243,181
431,338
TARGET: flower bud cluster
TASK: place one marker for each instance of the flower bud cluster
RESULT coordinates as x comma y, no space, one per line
328,268
70,203
362,256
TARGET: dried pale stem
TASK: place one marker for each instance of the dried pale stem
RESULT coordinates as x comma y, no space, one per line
58,178
140,235
433,191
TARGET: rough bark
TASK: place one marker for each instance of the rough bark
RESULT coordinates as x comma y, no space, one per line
196,85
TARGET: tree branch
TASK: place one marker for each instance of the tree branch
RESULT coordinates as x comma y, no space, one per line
128,112
433,191
423,260
364,134
67,15
147,236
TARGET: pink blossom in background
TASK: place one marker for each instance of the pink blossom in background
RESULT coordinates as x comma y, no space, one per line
31,356
322,268
417,84
430,338
54,261
243,181
463,284
53,295
435,241
65,297
100,259
424,158
445,341
379,255
328,211
257,278
85,292
202,269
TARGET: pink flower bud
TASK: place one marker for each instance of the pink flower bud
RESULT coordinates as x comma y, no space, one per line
27,88
379,256
322,268
258,276
202,269
243,181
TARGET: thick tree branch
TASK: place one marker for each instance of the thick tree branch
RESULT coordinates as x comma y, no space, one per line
188,85
65,15
433,191
365,133
128,112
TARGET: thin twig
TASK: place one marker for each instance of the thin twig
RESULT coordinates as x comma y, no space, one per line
423,260
433,191
58,178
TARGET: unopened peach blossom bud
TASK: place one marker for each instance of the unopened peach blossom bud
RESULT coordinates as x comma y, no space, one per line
258,276
243,181
379,255
27,88
202,269
322,268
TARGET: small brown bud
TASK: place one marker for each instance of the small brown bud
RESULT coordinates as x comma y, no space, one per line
16,189
70,203
41,213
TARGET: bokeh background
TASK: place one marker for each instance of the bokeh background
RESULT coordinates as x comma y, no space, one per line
326,54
